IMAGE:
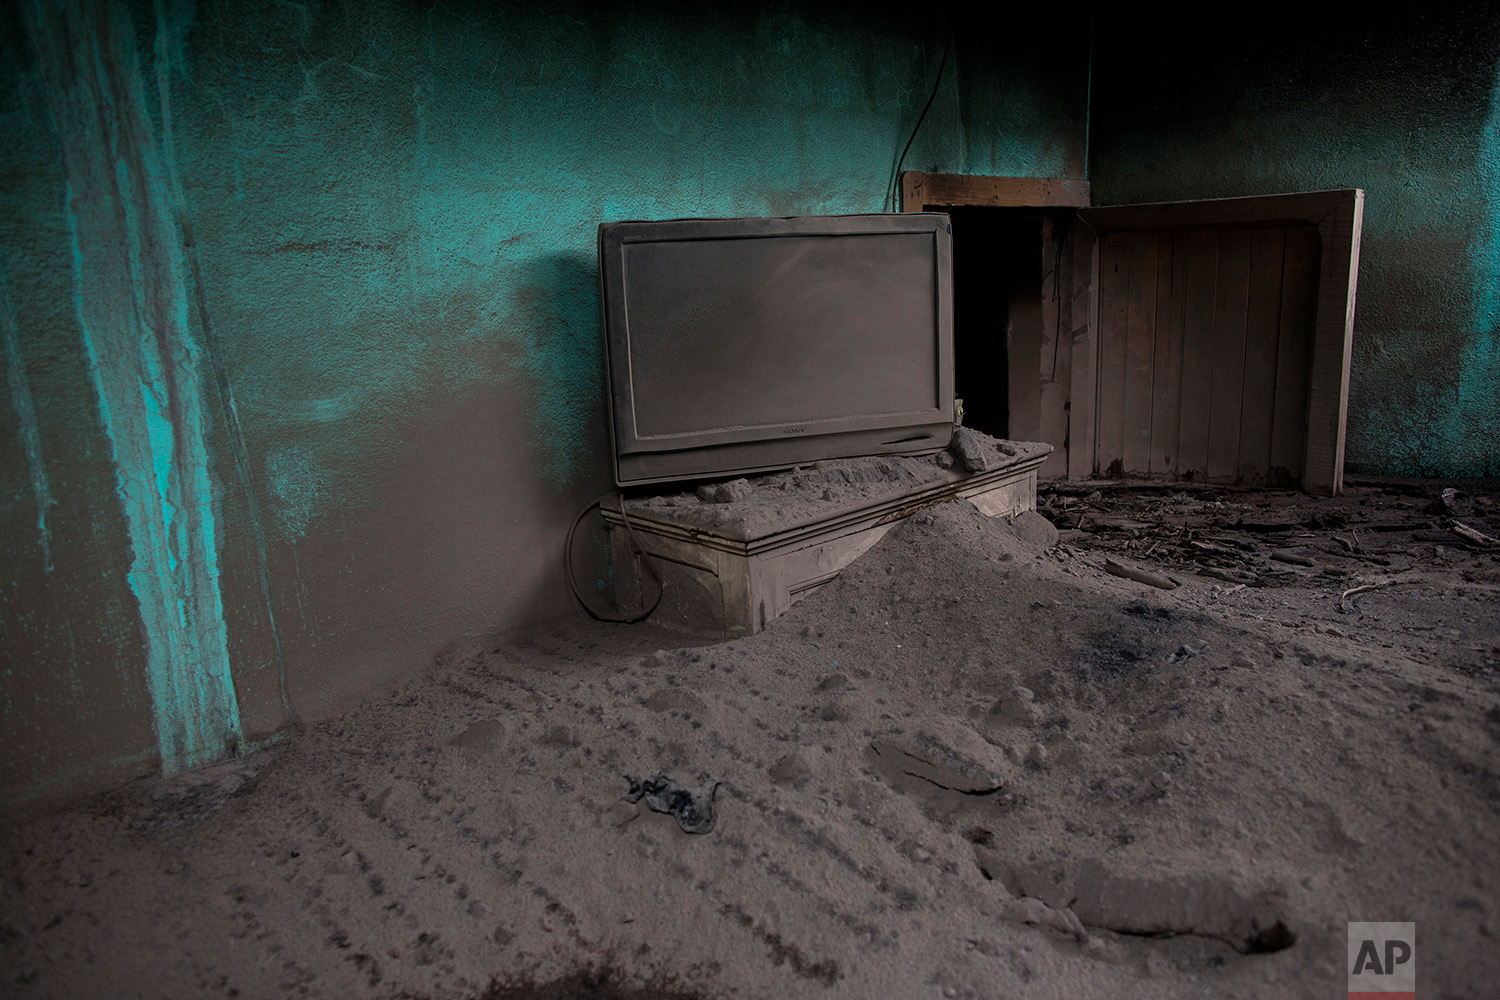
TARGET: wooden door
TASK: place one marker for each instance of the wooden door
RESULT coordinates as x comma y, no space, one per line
1215,339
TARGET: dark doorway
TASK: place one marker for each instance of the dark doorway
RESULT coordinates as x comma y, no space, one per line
997,301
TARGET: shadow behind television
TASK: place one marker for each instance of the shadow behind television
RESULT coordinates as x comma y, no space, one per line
746,345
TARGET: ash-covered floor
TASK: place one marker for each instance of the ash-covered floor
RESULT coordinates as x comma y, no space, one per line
978,764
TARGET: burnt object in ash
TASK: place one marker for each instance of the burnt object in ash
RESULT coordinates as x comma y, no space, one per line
693,810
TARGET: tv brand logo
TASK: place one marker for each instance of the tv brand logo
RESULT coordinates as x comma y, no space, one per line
1382,961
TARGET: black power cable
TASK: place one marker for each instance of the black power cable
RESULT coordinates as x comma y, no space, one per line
896,173
634,541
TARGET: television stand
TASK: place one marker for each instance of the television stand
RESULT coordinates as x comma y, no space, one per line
729,568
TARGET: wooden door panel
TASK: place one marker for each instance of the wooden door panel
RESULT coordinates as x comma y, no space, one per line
1167,360
1114,302
1083,389
1231,300
1199,291
1191,365
1222,340
1057,341
1262,332
1140,353
1299,294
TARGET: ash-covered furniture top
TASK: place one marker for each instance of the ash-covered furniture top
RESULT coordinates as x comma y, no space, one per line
772,503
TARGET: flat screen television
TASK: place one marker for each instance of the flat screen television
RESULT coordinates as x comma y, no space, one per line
746,345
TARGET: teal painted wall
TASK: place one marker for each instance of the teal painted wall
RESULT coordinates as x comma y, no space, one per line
1403,104
300,317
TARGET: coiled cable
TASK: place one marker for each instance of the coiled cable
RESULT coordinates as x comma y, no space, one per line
646,561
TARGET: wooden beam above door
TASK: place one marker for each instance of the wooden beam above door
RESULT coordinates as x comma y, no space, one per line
919,189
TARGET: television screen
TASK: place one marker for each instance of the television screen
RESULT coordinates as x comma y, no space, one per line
744,345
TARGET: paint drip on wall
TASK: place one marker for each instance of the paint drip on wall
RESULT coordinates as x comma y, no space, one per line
27,426
132,300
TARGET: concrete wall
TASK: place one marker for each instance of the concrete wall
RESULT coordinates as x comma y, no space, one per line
1403,104
300,319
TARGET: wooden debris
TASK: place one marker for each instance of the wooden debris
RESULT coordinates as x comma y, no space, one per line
1439,537
1477,537
1362,556
1140,575
1346,606
1238,543
1272,526
1295,558
1232,575
1116,522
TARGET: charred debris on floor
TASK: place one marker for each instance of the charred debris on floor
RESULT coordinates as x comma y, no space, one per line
1156,533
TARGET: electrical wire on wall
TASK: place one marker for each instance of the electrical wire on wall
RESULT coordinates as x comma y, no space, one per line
635,543
890,197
